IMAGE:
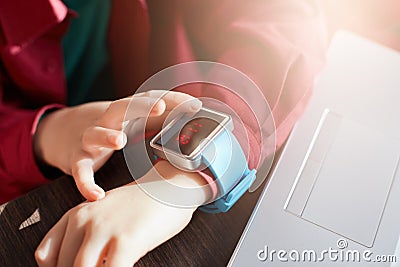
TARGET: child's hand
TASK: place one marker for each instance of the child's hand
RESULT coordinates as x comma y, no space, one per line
122,227
79,140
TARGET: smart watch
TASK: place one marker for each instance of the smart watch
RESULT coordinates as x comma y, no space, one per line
205,140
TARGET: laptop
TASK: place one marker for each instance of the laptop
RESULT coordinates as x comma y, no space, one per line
334,197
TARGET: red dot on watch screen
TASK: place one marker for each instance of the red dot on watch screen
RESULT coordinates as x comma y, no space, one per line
183,139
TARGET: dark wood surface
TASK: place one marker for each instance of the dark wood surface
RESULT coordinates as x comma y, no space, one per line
209,239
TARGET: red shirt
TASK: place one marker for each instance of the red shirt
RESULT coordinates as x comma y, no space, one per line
279,44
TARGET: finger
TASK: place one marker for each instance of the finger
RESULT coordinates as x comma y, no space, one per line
71,243
151,103
82,171
92,251
173,99
46,254
123,254
139,107
99,137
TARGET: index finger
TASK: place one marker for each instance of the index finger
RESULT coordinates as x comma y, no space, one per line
116,113
173,99
147,104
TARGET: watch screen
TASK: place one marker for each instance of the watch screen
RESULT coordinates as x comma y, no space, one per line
187,133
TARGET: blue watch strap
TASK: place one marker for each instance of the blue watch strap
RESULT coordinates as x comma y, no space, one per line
227,162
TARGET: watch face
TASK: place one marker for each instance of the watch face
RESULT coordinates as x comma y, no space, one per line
185,135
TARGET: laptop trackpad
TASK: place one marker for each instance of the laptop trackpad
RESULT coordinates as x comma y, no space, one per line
345,179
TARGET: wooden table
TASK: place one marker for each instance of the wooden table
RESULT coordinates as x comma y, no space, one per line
209,239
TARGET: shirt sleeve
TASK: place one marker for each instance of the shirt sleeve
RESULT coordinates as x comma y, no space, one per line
280,45
18,170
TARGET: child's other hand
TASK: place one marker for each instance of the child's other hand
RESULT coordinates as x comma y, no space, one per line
123,226
79,140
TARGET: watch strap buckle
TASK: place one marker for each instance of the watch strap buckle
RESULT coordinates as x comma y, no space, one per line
224,203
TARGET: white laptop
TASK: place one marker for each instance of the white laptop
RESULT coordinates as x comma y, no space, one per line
334,196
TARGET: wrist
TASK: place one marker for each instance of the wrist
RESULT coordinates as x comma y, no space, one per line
43,138
163,170
46,169
178,176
